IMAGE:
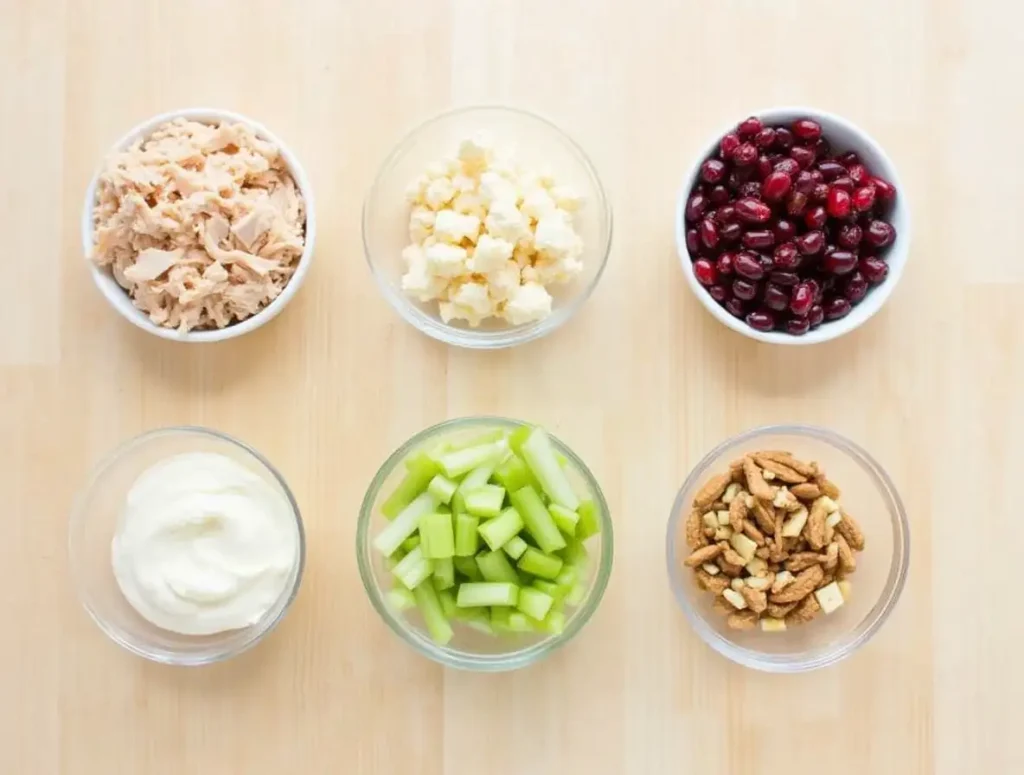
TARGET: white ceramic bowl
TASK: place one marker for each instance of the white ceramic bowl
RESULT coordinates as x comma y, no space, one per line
118,297
844,136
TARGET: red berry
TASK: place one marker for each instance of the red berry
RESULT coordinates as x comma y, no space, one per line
695,207
784,230
712,171
802,299
744,289
719,293
864,198
730,232
797,326
815,316
831,169
844,182
753,211
788,166
802,156
838,203
875,270
816,217
725,263
747,264
718,195
805,129
783,138
849,236
709,233
705,272
758,240
885,190
765,138
728,145
811,243
692,241
735,307
750,127
855,288
837,307
858,173
775,298
762,320
840,262
796,203
879,234
787,256
776,186
744,155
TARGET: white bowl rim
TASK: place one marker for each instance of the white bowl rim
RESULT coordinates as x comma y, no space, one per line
512,335
896,258
118,297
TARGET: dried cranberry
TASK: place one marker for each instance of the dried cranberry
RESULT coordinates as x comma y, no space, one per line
709,233
840,262
765,138
879,234
856,288
797,326
712,171
820,192
735,307
858,172
775,298
705,272
747,264
838,203
875,270
864,199
822,147
837,307
783,138
811,243
744,155
816,217
788,166
848,159
762,320
787,256
796,203
802,299
816,315
831,169
725,263
805,129
692,241
719,293
728,145
849,236
759,239
802,156
725,214
815,289
752,211
764,167
844,182
751,189
718,195
784,230
730,232
885,190
750,127
788,279
744,289
776,186
695,207
803,182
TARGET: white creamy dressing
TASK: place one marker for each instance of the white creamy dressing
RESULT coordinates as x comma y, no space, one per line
204,545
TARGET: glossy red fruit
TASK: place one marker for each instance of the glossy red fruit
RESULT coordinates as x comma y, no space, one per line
798,326
718,195
765,138
735,307
879,234
787,165
802,299
787,256
747,264
811,243
815,289
764,167
784,230
758,239
705,272
820,192
838,203
806,129
712,171
855,288
695,207
783,138
761,319
858,172
728,145
709,233
692,241
816,315
875,270
730,232
796,203
844,182
885,190
750,127
724,265
752,211
831,169
816,217
803,182
719,293
750,189
848,159
802,156
839,262
849,236
776,186
837,307
864,199
787,279
725,214
775,298
745,290
744,155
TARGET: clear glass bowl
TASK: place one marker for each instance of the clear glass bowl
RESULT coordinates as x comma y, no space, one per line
469,649
868,494
540,145
94,522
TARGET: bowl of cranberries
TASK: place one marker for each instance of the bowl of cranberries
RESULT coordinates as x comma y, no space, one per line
792,226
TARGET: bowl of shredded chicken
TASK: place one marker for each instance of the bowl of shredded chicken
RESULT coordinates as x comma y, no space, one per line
199,225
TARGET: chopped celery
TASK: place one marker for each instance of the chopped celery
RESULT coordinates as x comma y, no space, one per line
556,591
467,567
437,536
540,457
515,546
500,618
394,559
518,437
414,569
405,524
494,566
546,566
459,462
568,576
480,623
519,622
441,488
579,591
514,474
484,501
532,602
477,594
500,530
466,539
478,477
486,437
401,599
410,543
564,518
575,553
590,521
447,600
444,573
554,622
433,614
537,519
421,469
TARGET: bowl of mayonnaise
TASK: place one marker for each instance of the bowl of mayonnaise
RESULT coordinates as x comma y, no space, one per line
186,546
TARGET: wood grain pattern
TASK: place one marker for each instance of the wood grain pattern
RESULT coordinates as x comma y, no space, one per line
641,383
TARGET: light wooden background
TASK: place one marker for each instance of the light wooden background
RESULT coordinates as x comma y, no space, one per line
641,383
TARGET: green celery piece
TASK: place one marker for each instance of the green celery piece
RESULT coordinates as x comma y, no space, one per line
467,567
442,488
575,553
554,622
590,521
514,474
483,594
433,614
394,559
484,501
564,518
556,591
494,566
478,477
534,603
575,597
540,457
414,569
480,623
568,577
547,566
500,618
437,536
515,546
447,600
502,529
444,574
537,519
405,524
466,539
400,599
563,461
421,469
486,437
455,464
410,543
518,437
519,622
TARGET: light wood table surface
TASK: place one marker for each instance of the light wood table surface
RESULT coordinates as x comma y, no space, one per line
641,383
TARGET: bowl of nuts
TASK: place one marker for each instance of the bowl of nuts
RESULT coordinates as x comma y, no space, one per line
792,226
787,548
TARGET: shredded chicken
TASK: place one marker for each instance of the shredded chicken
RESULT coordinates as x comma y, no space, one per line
201,224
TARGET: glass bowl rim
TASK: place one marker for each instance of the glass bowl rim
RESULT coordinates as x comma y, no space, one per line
871,622
487,663
466,337
259,630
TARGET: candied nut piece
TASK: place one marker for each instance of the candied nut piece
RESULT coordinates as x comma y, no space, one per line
731,569
802,561
736,470
850,530
847,562
807,491
782,472
731,556
758,487
734,489
711,491
742,620
735,598
764,515
805,583
816,525
779,611
756,599
782,579
703,555
784,499
694,531
737,513
793,526
805,611
832,556
755,535
717,584
807,470
827,487
722,606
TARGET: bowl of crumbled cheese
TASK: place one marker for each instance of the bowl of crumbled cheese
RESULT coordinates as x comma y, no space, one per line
199,225
487,227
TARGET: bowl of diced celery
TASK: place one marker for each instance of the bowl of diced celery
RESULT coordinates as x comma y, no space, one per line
484,543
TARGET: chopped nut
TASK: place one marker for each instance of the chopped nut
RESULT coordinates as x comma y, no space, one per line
757,567
731,556
735,598
723,533
834,518
709,532
703,555
851,531
828,504
694,536
764,515
716,584
846,559
792,527
757,582
807,470
768,475
742,620
832,555
829,597
753,533
736,470
816,525
737,513
737,584
743,546
777,611
756,599
722,606
784,499
805,583
782,579
763,552
734,489
779,471
828,487
733,570
807,491
770,624
710,520
749,500
758,487
711,568
805,611
711,491
803,560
